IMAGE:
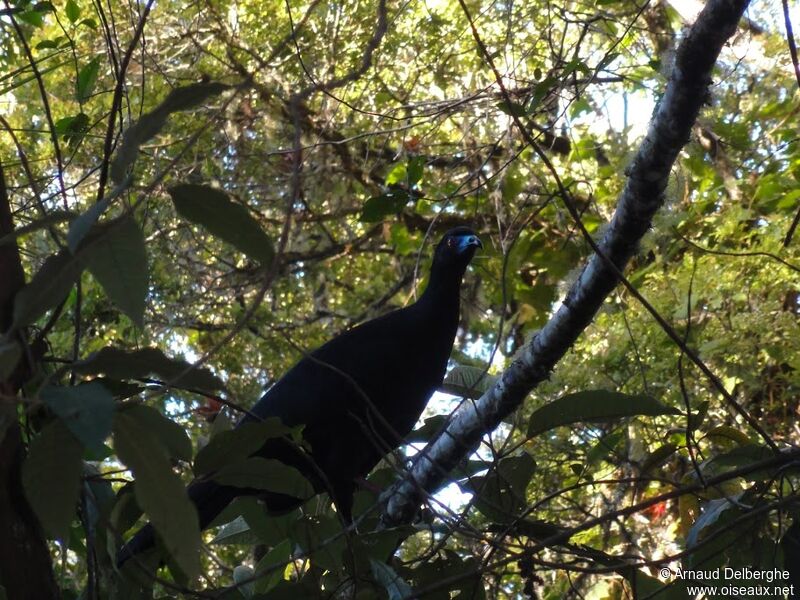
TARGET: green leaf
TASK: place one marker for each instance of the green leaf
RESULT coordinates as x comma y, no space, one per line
394,585
710,515
397,175
270,568
90,23
377,207
243,577
467,382
73,128
86,409
237,531
51,477
31,17
171,435
658,456
10,353
265,474
47,289
430,427
81,226
211,209
232,446
414,170
321,539
72,10
120,364
152,123
115,254
500,494
593,406
159,491
514,109
87,78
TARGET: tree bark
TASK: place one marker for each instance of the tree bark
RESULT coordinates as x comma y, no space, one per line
26,571
670,128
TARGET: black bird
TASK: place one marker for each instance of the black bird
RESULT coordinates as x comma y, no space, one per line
357,396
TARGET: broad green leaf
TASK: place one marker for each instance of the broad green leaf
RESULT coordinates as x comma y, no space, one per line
243,577
265,474
729,435
710,515
270,568
72,10
159,491
500,494
237,531
81,225
234,445
87,78
395,586
397,174
136,364
73,128
212,209
115,254
31,17
320,537
86,409
152,123
47,289
415,170
658,456
592,406
378,207
171,435
514,109
430,427
467,382
51,477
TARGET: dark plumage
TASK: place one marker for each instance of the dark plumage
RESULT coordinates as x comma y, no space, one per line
357,396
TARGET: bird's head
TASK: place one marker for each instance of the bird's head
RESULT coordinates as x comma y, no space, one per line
456,248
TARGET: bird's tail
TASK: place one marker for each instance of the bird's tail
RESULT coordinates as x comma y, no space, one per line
209,499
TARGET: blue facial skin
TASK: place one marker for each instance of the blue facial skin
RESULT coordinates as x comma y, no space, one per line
468,241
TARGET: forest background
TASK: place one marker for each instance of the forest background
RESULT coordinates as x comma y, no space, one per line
231,183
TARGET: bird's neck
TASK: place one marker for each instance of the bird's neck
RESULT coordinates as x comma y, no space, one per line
442,293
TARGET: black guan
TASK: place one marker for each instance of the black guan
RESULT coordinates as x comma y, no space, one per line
357,396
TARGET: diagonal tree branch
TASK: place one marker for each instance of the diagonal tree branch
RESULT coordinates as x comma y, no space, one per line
670,127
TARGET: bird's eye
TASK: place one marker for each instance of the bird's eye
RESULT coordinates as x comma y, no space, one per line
450,242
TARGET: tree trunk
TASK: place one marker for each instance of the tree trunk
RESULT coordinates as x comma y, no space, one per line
26,571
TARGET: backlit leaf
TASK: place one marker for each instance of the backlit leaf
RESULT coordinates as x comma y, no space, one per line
159,491
51,477
86,409
592,406
213,210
